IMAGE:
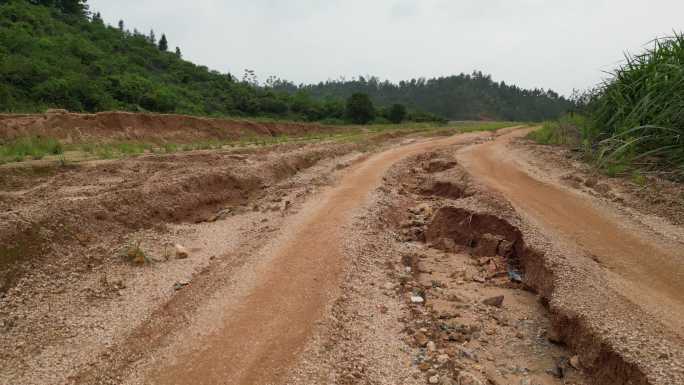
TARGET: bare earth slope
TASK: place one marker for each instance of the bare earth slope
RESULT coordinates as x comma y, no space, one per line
118,126
446,261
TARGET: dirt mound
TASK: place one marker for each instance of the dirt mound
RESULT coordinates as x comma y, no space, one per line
117,126
76,205
445,189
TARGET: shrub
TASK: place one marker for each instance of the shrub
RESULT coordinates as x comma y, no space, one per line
397,113
360,109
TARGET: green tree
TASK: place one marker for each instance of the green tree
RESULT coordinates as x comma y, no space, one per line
121,25
73,7
163,43
360,109
178,53
397,113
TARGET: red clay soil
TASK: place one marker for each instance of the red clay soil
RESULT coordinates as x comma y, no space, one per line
257,342
117,126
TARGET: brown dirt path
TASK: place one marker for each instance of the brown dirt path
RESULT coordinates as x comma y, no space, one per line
647,270
262,336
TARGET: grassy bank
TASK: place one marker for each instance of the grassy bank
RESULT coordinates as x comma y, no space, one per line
635,120
26,149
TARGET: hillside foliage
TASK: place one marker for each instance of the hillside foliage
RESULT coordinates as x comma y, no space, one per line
460,97
57,54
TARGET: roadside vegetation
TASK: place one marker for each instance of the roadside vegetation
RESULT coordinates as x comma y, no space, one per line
634,122
31,147
58,54
50,149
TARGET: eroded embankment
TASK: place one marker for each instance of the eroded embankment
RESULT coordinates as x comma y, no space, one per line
472,219
482,231
118,126
67,210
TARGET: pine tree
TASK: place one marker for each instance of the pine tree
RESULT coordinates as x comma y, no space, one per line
163,44
121,25
152,38
178,52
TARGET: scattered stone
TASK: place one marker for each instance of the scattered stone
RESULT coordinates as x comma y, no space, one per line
443,359
515,276
179,285
433,380
465,378
425,209
420,338
575,362
494,378
591,182
468,354
181,252
494,301
479,279
417,299
445,380
431,346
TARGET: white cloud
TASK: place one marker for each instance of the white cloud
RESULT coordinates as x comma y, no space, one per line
533,43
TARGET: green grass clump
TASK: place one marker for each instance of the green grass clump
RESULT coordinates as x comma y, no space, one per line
639,112
568,130
32,147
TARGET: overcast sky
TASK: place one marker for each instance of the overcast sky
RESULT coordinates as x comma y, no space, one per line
557,44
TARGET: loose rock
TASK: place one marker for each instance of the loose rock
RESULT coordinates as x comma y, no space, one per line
575,362
181,252
494,301
465,378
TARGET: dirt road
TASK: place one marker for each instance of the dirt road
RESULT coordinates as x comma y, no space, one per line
263,334
648,269
328,264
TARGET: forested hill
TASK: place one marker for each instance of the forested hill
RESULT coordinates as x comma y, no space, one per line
54,54
58,54
459,97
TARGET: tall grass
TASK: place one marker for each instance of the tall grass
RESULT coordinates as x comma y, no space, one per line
33,147
568,130
639,112
635,119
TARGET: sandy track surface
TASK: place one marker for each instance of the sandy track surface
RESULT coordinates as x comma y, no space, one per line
270,325
447,261
648,269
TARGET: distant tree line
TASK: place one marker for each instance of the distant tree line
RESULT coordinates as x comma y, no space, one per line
459,97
